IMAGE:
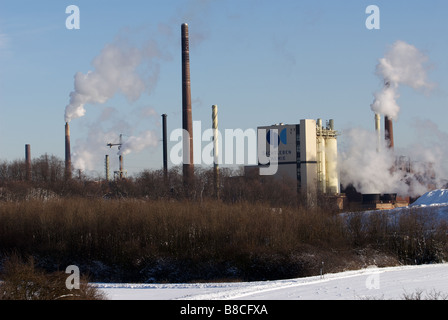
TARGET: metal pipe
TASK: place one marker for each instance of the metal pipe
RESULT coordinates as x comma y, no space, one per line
187,122
215,148
68,160
378,130
331,124
165,147
28,162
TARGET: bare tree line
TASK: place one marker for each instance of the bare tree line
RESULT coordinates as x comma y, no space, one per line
48,172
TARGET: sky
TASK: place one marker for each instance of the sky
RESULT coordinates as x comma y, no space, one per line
262,62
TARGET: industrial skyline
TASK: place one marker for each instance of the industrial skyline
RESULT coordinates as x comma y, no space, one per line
261,62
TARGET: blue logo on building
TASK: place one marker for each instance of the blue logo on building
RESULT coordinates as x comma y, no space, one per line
274,138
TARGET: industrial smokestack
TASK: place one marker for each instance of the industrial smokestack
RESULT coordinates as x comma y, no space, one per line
106,167
120,159
187,122
388,127
377,122
27,162
389,132
378,130
68,160
165,147
215,148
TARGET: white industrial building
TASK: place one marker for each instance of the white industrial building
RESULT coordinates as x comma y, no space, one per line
306,153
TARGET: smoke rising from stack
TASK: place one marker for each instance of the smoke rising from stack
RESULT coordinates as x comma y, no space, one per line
138,143
88,152
117,69
369,171
368,168
120,68
403,64
363,166
130,70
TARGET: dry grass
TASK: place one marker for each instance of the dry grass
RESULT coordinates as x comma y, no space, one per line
160,240
133,234
149,229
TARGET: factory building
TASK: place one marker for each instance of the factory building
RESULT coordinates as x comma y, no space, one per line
306,153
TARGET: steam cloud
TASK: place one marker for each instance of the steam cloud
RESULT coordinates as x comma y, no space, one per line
370,171
89,151
120,68
376,170
116,70
403,64
123,68
138,143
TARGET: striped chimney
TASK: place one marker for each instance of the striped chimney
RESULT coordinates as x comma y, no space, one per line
187,122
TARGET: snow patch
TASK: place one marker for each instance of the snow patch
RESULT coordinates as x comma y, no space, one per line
438,197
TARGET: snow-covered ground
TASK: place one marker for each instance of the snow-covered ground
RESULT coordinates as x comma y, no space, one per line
432,198
370,283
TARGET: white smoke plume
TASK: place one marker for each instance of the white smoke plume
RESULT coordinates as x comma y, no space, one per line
403,64
376,169
420,169
116,70
366,169
88,152
139,142
130,70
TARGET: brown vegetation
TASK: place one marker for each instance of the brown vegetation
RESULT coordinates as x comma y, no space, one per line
144,229
23,281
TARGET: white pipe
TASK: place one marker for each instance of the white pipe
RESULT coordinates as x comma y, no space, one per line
378,130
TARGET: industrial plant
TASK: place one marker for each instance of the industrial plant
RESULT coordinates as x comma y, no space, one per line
307,198
306,152
307,159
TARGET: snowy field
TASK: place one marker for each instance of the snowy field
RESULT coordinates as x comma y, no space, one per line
392,283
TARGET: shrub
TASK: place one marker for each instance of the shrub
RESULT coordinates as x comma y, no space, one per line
23,281
432,295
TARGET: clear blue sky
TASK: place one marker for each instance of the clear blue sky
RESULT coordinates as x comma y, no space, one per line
261,62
